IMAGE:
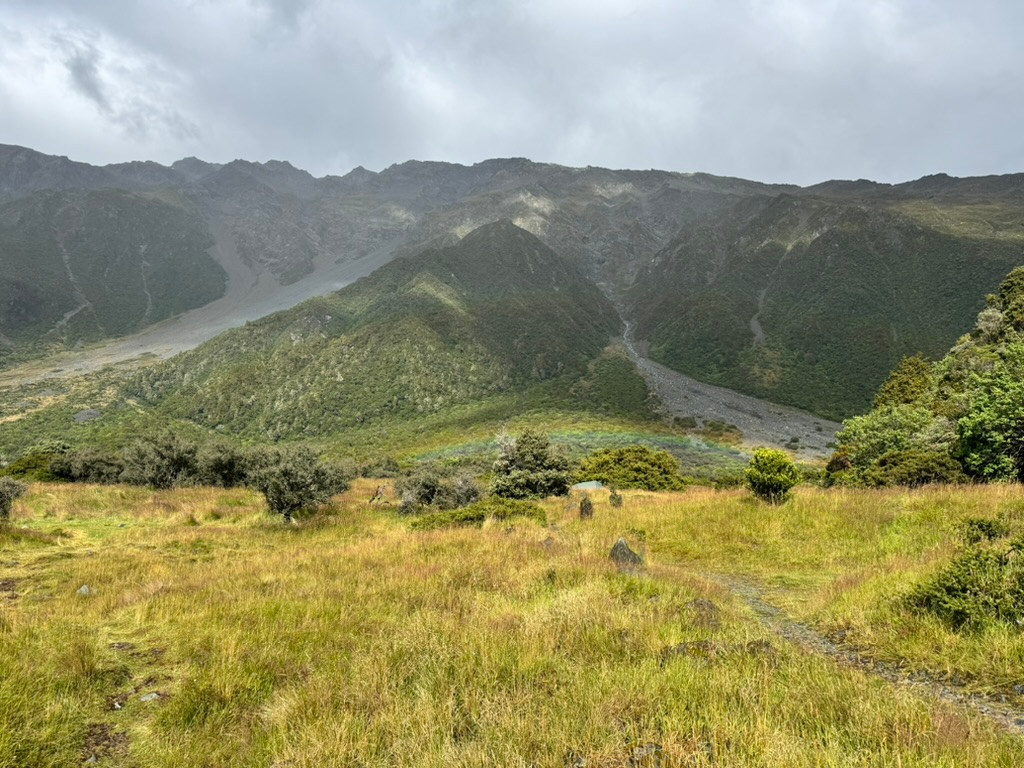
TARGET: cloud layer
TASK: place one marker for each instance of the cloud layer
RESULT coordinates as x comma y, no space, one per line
777,90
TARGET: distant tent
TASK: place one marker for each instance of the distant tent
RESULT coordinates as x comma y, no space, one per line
589,485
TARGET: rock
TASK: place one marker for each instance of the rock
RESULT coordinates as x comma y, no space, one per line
1019,690
147,697
89,414
705,614
625,557
84,590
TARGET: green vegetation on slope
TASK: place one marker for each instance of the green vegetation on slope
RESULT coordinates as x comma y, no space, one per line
81,266
962,414
497,312
811,302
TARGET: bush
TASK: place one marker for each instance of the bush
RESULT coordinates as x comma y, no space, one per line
527,468
913,468
386,467
88,466
10,489
981,585
160,461
476,514
635,466
32,466
221,465
615,498
430,488
771,474
292,481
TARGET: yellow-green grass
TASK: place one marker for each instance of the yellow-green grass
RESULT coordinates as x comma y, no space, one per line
351,640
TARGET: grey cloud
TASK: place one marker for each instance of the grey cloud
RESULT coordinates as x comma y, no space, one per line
83,67
781,90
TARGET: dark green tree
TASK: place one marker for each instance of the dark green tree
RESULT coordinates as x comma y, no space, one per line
10,489
295,480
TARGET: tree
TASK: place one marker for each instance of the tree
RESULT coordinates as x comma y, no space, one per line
771,474
526,468
294,480
10,489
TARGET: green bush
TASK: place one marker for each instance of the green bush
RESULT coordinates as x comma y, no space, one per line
160,461
635,466
475,514
32,466
527,468
429,487
914,467
771,474
221,465
10,489
88,466
975,530
295,480
981,585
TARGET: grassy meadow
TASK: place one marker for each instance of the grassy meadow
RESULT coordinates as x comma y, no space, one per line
348,639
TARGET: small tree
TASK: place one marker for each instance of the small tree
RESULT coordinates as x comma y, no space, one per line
526,468
10,489
771,474
295,480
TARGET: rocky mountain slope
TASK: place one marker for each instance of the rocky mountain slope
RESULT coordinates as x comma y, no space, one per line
803,296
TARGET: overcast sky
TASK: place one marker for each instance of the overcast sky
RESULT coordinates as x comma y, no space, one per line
775,90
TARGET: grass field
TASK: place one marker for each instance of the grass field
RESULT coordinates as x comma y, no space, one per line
349,640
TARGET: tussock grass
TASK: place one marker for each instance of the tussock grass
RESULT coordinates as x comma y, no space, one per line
348,639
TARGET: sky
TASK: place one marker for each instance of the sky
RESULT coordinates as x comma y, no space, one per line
795,91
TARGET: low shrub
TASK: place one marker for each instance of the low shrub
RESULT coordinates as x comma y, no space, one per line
975,530
615,498
981,585
160,461
635,466
88,466
292,481
32,466
771,475
913,468
10,489
429,487
476,514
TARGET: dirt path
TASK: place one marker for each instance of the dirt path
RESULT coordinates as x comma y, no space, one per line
762,422
995,708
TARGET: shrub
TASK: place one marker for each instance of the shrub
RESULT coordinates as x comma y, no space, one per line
771,474
32,466
475,514
981,585
385,467
913,468
615,498
635,466
160,461
295,480
10,489
975,530
431,488
88,466
221,465
527,468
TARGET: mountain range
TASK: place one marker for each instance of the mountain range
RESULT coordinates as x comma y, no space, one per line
803,296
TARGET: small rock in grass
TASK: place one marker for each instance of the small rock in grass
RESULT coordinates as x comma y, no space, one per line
625,557
84,590
149,697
